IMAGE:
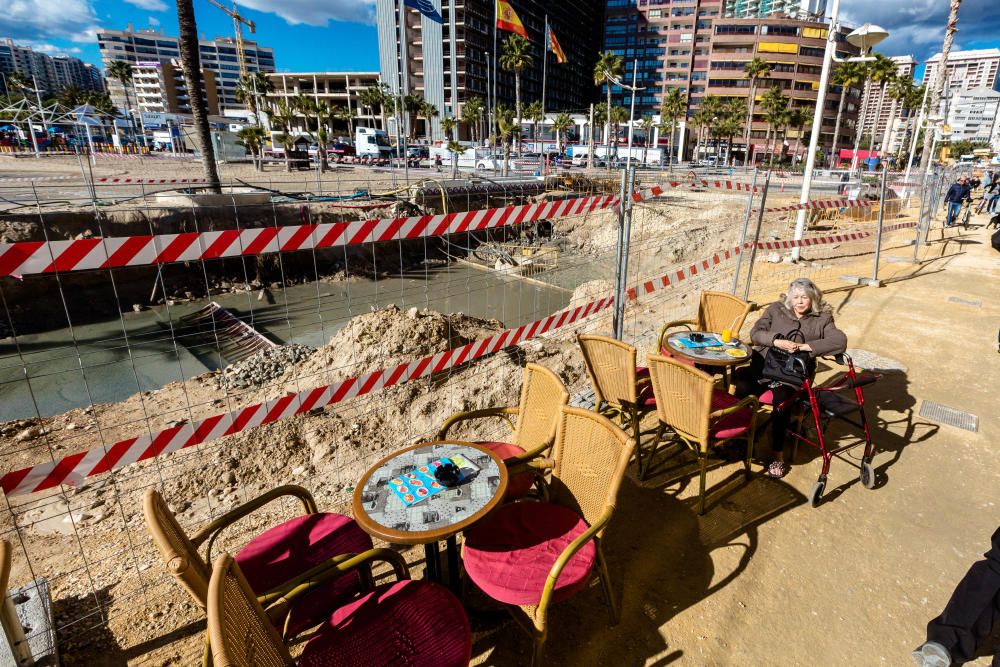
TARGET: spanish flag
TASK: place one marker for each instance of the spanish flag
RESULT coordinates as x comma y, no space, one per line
508,20
552,44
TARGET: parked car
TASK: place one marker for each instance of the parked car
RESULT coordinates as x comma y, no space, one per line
339,150
419,152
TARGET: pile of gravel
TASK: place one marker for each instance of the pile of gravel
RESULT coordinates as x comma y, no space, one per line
263,366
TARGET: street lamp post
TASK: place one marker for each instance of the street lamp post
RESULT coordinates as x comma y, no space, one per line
865,37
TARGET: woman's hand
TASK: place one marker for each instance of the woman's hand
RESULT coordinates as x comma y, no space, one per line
786,345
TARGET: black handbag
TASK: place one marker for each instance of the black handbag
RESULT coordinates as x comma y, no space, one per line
789,368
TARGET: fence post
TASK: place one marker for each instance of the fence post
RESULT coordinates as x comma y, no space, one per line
746,227
621,258
874,281
756,236
920,219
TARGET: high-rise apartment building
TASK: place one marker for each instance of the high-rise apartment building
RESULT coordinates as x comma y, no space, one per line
878,108
967,70
801,9
160,88
569,87
51,73
975,115
217,56
338,89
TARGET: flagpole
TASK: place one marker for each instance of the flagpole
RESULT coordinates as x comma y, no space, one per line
493,115
404,89
545,67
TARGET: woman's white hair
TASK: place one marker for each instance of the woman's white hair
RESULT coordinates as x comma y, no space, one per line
810,289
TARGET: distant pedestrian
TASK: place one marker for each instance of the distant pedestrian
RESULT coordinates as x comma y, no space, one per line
958,194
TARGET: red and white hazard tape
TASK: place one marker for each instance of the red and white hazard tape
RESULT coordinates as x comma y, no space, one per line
39,257
823,204
34,179
73,469
151,181
658,190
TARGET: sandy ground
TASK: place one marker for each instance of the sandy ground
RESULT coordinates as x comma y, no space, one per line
760,579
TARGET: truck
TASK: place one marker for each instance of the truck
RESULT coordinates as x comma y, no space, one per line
372,143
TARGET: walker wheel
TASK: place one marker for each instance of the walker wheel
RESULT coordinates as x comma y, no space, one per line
816,495
867,474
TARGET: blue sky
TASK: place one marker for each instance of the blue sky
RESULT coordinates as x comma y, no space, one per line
330,35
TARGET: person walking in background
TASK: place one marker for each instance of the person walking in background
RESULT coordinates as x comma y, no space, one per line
954,637
993,194
958,193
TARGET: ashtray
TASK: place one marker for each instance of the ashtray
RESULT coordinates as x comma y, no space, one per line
448,474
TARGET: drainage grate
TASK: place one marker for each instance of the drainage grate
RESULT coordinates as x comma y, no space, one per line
964,302
874,362
585,399
950,416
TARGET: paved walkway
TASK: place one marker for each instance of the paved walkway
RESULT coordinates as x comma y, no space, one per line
762,578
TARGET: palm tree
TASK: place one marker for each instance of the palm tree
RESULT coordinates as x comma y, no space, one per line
536,115
942,68
734,113
16,81
427,112
672,108
71,96
283,116
374,97
473,112
774,103
561,124
898,92
701,119
647,124
515,57
798,119
847,75
253,137
324,115
455,148
756,69
448,126
881,72
505,131
618,116
122,71
345,114
609,67
412,105
712,108
191,67
912,104
250,89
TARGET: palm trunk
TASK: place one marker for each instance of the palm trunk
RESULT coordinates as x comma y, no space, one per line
381,113
753,103
767,143
881,101
942,70
860,129
888,125
670,143
191,67
834,160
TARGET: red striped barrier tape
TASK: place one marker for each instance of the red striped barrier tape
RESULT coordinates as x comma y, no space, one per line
39,257
823,204
151,181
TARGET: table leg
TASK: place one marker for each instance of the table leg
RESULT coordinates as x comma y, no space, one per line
432,562
454,581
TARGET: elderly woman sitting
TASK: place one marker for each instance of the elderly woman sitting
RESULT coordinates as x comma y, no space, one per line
802,310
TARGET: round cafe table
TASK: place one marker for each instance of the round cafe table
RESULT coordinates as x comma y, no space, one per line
440,517
722,356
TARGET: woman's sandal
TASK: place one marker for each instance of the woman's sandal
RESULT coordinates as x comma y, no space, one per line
776,470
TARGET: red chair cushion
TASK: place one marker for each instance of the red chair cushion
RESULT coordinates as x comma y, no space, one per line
509,554
295,546
733,425
517,485
767,398
646,398
405,623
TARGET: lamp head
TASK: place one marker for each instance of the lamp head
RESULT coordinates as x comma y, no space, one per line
867,37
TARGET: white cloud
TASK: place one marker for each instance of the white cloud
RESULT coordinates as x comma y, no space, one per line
317,12
153,22
916,27
39,20
151,5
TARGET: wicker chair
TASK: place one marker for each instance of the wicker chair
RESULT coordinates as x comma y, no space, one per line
274,561
531,555
406,622
621,391
542,394
12,628
716,311
697,413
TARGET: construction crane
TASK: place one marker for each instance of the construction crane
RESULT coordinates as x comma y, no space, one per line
238,22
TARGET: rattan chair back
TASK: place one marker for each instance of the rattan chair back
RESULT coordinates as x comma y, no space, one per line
5,565
179,553
591,454
720,310
683,397
239,630
611,367
542,394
